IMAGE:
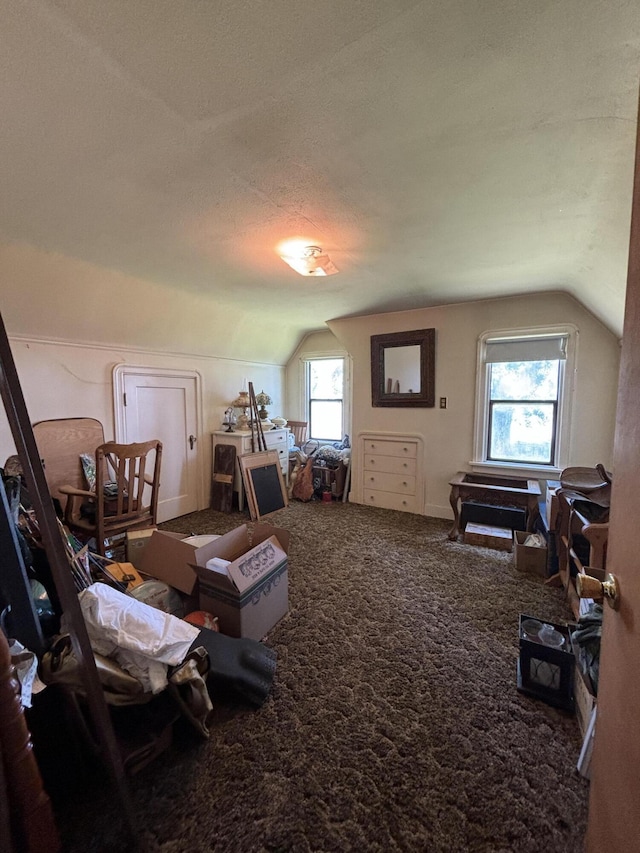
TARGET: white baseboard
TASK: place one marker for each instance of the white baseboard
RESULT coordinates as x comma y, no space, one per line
435,511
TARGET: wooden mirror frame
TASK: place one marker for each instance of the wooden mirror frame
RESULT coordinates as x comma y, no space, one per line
425,398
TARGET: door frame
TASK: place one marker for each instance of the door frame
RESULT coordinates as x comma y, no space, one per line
119,374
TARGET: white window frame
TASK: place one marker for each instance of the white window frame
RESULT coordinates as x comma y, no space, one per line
565,403
346,387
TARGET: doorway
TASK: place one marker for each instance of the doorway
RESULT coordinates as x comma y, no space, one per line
165,404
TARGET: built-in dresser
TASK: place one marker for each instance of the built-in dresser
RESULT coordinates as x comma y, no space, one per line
392,471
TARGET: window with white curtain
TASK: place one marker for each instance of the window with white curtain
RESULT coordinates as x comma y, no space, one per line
523,402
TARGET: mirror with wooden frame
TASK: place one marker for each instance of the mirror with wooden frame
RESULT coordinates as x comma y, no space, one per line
403,369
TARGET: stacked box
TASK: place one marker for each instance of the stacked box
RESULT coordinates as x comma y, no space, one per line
251,594
137,540
528,558
488,537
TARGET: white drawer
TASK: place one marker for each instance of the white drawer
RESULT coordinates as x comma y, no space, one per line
402,485
276,440
389,500
389,464
283,459
382,447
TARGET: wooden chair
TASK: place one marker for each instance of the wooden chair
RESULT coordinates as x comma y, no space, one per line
130,501
61,442
299,430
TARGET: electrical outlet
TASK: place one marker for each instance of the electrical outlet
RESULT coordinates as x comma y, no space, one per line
443,402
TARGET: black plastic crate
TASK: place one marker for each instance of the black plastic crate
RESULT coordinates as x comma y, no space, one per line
513,518
546,671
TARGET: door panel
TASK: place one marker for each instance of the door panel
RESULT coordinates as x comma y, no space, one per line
164,405
614,812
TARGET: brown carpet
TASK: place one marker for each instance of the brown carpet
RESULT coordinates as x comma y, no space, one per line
394,723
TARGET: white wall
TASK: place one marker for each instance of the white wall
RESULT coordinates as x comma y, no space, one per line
50,296
448,434
317,344
53,305
63,380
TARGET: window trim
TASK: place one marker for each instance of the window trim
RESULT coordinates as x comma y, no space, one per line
480,459
346,384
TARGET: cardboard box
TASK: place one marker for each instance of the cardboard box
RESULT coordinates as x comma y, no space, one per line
488,537
551,503
552,508
137,541
528,558
169,557
253,595
584,700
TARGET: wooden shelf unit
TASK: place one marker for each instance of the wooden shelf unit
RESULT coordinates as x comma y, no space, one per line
581,543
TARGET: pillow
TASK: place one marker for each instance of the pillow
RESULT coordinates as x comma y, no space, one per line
89,470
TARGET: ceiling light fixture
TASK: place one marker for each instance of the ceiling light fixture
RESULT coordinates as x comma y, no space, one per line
309,260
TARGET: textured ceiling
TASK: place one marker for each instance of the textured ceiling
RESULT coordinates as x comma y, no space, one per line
439,151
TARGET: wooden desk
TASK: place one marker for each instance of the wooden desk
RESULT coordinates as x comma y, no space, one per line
500,491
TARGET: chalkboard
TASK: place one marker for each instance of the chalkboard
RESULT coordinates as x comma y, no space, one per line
266,488
263,482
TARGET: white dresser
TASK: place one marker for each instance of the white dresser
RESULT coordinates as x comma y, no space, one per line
392,471
275,439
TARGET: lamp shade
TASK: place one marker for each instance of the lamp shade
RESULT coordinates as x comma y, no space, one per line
242,400
263,399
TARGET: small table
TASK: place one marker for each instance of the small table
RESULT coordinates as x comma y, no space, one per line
495,490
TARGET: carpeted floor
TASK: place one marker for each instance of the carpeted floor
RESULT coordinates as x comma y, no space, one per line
394,723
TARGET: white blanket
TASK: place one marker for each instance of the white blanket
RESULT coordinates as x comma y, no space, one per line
143,640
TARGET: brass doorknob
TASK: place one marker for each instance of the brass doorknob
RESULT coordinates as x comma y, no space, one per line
589,587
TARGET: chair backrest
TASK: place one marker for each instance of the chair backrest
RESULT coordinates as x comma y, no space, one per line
60,443
135,471
299,430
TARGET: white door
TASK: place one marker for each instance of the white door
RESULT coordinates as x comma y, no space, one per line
156,403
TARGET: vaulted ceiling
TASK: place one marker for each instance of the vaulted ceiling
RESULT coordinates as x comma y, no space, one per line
438,150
